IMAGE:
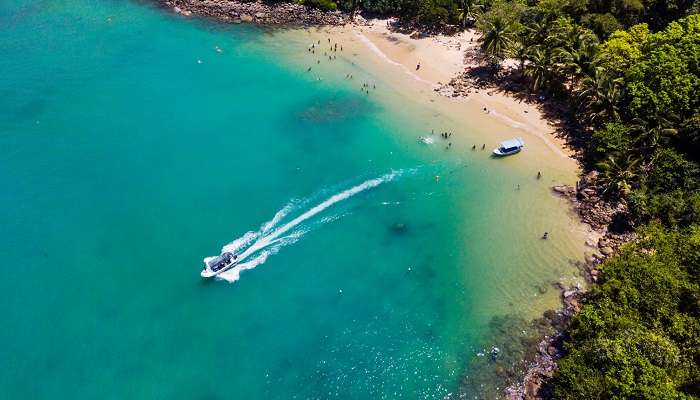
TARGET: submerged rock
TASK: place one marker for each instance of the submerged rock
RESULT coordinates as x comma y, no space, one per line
399,228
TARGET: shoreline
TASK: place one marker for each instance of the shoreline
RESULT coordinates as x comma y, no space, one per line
236,12
444,61
591,211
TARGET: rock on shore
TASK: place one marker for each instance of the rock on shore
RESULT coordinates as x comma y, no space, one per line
257,12
608,221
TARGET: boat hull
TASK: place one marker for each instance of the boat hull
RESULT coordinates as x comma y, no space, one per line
500,153
207,272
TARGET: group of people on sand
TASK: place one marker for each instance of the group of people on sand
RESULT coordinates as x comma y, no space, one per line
365,87
332,49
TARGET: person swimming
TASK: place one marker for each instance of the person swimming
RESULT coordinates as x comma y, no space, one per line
545,235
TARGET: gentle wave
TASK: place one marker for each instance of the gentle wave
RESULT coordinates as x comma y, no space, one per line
376,50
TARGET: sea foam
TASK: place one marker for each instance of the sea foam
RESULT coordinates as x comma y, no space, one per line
271,237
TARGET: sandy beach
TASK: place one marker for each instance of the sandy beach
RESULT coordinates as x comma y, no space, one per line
396,57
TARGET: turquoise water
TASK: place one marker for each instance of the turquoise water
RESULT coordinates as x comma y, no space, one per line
124,162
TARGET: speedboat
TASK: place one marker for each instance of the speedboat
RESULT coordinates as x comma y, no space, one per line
216,265
510,146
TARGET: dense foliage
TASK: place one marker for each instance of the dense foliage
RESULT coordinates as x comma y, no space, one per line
639,336
630,72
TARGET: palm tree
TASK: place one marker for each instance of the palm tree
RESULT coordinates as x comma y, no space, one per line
575,52
498,37
470,8
536,32
576,61
538,69
618,173
600,96
650,135
521,51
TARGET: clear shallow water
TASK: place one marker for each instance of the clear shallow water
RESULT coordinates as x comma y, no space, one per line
124,162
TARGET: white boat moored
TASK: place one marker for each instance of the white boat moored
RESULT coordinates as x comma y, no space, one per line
510,146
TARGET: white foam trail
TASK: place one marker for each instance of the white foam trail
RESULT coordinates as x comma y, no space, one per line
268,241
277,218
234,274
249,236
364,39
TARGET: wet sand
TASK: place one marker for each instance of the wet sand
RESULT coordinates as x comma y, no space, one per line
390,60
376,58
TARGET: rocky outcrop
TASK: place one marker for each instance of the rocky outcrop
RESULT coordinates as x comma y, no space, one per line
461,85
257,12
540,370
607,220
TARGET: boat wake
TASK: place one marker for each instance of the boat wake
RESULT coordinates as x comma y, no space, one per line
253,248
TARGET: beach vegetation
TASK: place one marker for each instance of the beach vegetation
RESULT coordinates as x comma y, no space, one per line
638,335
629,74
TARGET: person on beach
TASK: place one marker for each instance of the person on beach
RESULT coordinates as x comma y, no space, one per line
545,235
418,66
539,174
483,146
